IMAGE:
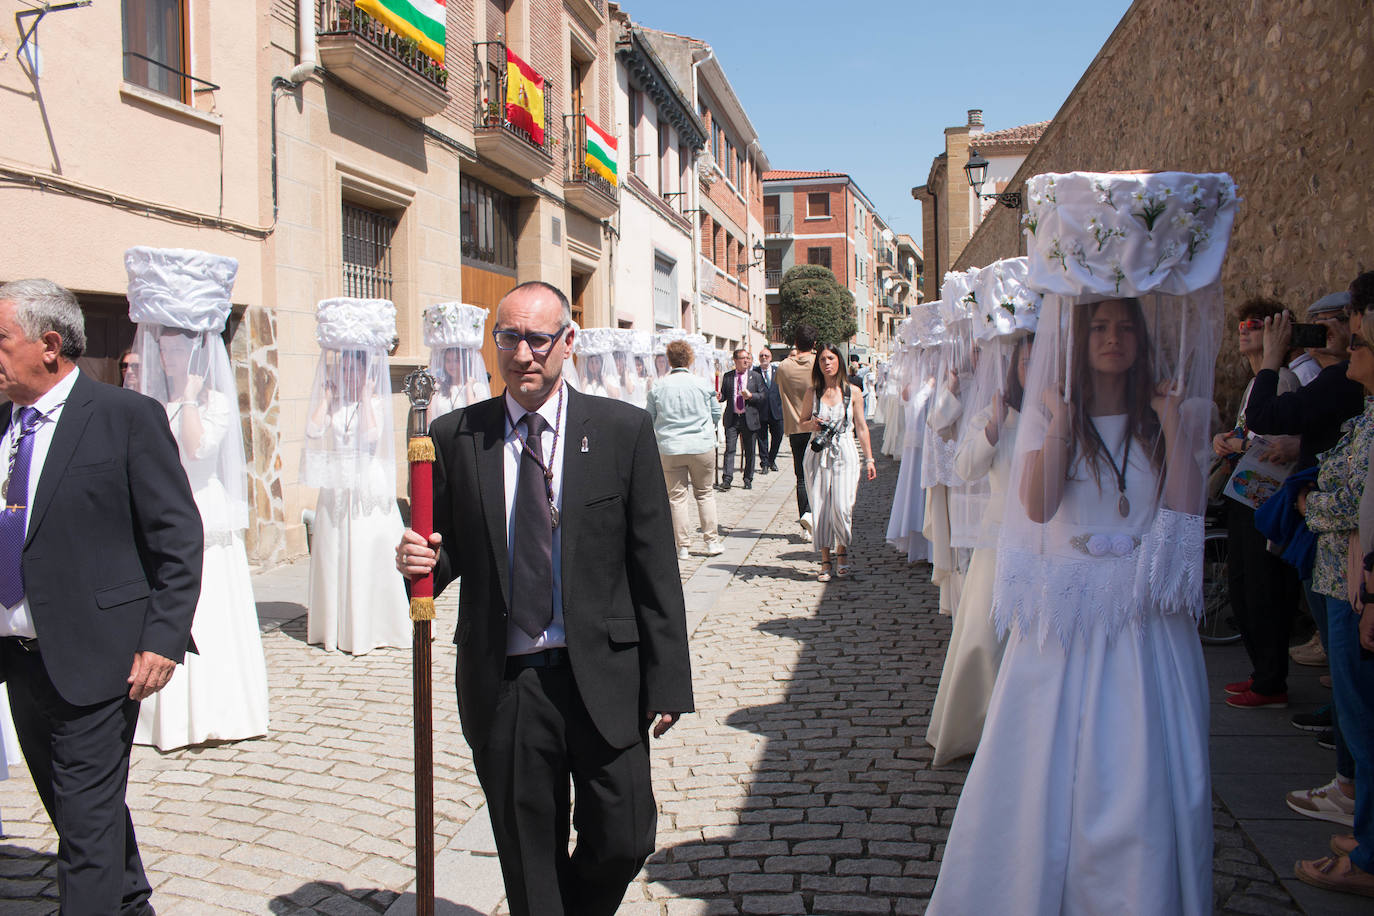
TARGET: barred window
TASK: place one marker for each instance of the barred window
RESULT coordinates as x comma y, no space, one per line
367,252
487,227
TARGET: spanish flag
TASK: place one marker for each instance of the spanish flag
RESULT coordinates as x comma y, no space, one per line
524,98
600,151
422,21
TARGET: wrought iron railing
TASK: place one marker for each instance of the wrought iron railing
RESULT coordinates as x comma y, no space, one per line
489,96
341,17
774,224
575,142
772,278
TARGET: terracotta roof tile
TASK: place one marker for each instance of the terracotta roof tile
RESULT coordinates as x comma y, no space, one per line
1008,137
785,174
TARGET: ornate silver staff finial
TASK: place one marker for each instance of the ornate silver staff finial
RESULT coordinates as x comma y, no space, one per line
419,388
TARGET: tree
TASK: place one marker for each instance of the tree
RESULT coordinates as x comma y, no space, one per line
810,294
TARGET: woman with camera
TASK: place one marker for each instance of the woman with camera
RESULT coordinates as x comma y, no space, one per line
832,462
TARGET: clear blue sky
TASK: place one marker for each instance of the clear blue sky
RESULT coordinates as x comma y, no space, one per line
864,86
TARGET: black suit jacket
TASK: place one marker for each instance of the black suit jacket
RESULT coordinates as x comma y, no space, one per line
113,555
623,611
756,398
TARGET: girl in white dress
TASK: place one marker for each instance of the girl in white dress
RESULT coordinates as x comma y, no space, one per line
180,300
1090,791
454,333
832,473
357,598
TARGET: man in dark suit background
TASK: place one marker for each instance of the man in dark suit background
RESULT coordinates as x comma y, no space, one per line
100,559
550,506
770,417
744,394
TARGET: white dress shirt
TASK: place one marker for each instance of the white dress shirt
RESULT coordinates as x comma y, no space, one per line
17,621
518,642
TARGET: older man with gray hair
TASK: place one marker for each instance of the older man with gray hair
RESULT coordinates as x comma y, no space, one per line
100,558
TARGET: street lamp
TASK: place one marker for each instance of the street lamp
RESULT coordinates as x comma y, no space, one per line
977,170
758,254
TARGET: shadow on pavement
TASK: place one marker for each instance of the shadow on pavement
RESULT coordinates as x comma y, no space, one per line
841,812
28,880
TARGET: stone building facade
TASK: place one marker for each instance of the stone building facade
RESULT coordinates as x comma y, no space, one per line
728,209
1279,94
329,158
950,210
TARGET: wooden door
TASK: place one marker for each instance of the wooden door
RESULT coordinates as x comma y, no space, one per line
485,288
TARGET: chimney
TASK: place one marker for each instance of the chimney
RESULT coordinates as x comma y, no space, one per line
975,119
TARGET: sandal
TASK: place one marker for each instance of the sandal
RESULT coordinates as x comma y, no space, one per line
1344,845
842,564
825,572
1335,873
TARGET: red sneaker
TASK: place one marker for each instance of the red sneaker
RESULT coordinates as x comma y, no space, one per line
1251,700
1236,687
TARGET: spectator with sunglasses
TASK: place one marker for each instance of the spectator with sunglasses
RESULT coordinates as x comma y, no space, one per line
1263,588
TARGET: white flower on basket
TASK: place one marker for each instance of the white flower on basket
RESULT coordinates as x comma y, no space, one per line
1080,256
1226,191
1103,233
1196,230
1150,205
1104,192
1168,252
1117,274
1030,220
1056,253
1192,196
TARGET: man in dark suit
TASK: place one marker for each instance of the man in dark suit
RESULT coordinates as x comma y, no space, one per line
550,506
770,430
744,394
100,557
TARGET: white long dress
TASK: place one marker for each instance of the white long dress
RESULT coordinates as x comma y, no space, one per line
219,693
357,598
832,479
1090,792
937,462
975,650
908,499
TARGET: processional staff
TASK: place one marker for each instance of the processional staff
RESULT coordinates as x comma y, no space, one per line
419,387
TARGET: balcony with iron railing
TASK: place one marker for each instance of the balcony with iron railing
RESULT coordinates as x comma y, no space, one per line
775,225
772,279
498,139
371,58
583,187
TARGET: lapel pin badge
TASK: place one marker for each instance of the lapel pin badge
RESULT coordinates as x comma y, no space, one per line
584,444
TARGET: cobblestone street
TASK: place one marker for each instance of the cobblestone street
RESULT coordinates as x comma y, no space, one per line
802,784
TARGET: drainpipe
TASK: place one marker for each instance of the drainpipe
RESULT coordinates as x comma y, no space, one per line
696,199
306,50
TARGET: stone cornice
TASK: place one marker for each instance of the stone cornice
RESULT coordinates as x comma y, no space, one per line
648,75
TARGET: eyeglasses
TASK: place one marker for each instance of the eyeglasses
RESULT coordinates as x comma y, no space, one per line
1251,324
539,343
125,367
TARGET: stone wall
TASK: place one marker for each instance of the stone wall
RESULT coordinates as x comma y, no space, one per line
1278,93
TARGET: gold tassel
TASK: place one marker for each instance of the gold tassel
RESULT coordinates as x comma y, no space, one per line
421,449
421,608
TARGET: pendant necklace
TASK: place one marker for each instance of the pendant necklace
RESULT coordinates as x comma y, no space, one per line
1123,505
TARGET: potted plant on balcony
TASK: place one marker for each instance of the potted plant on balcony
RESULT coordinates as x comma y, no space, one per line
491,113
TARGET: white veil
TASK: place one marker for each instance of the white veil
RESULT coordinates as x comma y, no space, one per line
348,430
1103,520
180,301
593,351
1005,317
454,333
